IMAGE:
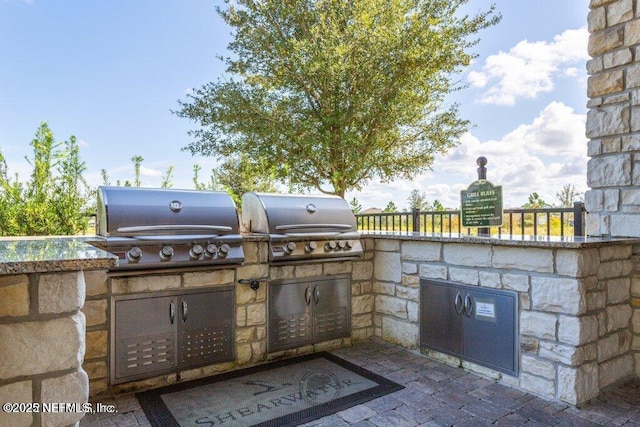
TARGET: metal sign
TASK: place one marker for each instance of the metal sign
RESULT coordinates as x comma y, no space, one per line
481,205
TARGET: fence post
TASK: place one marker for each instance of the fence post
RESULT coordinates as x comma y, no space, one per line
415,215
578,223
482,174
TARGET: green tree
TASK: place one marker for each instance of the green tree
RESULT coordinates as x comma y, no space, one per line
391,207
167,177
568,195
54,199
71,192
105,177
240,174
137,162
197,185
331,94
418,200
535,202
437,206
356,207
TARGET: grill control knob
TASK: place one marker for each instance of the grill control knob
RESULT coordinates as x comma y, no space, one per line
342,244
310,247
223,250
289,247
211,250
196,251
330,246
166,253
134,254
348,244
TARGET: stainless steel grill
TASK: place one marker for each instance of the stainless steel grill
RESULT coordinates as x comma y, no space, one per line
153,228
303,227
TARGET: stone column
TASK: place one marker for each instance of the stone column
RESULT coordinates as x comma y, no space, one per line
613,120
613,127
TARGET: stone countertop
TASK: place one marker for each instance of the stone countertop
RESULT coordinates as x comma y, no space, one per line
48,254
505,240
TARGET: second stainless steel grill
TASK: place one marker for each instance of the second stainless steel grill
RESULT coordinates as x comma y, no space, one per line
303,227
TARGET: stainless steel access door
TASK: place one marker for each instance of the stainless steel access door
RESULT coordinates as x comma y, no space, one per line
490,333
475,324
205,328
144,337
332,309
306,311
440,324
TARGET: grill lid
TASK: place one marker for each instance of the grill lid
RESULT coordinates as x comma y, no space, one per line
296,214
151,214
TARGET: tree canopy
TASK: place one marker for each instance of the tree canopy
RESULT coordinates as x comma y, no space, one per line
330,94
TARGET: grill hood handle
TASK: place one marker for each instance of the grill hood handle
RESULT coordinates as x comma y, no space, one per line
311,226
174,227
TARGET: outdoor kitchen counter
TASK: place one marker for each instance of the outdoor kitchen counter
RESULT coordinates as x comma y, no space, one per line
51,254
43,323
505,240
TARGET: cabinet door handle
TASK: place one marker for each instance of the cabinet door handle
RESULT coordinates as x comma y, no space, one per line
184,311
468,305
316,294
457,303
172,312
307,295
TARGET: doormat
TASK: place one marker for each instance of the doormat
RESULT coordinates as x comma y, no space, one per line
283,393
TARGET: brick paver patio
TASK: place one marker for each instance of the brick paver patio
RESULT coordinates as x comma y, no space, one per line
438,395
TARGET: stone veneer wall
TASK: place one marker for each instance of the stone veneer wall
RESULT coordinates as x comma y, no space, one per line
42,344
251,311
613,127
575,334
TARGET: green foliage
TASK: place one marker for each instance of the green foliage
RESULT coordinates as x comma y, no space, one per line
240,174
331,94
167,177
105,177
437,206
137,162
356,207
53,201
418,200
391,207
535,202
568,195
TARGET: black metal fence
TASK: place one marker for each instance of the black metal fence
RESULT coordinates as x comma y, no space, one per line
533,222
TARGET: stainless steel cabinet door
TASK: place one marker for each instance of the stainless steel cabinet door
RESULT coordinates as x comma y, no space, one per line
289,315
145,337
475,324
205,328
489,329
331,308
440,322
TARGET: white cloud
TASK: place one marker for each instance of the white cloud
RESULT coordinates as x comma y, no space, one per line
149,172
556,131
540,156
529,68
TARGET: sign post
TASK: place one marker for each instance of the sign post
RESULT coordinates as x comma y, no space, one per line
481,202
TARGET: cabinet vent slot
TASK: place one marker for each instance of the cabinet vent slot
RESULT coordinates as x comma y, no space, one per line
146,354
327,323
206,345
292,328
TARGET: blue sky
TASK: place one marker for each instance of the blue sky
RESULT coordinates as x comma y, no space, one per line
110,73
